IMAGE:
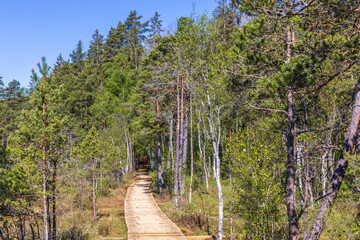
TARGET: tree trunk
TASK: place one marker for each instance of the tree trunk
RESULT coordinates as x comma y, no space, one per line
176,171
160,180
118,180
307,190
202,154
290,172
323,171
171,139
101,175
181,147
307,177
93,193
45,211
81,196
49,218
288,43
339,173
217,178
132,162
54,199
215,145
127,168
299,159
33,237
184,154
191,151
230,179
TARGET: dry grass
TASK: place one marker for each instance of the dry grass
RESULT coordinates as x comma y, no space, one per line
110,222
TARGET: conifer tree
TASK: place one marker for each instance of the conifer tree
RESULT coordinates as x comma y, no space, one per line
115,41
78,55
1,87
96,49
2,114
14,99
38,137
135,36
60,62
14,94
225,19
89,153
155,30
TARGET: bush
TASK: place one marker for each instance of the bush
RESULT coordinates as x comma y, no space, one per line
73,234
168,177
104,229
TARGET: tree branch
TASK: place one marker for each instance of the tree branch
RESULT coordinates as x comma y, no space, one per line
337,74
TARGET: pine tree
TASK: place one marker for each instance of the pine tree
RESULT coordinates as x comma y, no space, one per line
96,49
38,139
14,100
60,62
135,36
14,94
115,41
155,30
225,19
1,87
89,153
2,119
78,55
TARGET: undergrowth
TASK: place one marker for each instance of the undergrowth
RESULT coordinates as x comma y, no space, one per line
200,217
79,225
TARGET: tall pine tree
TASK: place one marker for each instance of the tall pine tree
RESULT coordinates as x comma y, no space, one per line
135,37
78,55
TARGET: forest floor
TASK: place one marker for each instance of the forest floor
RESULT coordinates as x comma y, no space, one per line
110,213
144,218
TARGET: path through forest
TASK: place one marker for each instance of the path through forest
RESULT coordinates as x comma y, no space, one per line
144,219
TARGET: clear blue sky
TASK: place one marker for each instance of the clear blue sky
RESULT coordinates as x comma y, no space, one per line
31,29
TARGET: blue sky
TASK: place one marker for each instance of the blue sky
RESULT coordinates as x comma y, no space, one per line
32,29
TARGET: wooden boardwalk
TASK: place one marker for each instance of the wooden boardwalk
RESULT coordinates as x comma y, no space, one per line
144,219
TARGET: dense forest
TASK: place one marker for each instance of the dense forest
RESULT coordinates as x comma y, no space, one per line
257,106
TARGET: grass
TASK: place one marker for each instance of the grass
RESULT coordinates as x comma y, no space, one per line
200,217
110,222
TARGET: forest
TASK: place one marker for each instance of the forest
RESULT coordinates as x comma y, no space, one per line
249,118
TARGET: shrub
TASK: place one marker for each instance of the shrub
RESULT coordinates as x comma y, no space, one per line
104,229
73,234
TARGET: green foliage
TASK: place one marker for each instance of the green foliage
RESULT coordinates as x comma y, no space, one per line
351,188
256,183
115,40
37,129
117,80
89,147
96,48
297,73
345,217
168,178
16,193
135,31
